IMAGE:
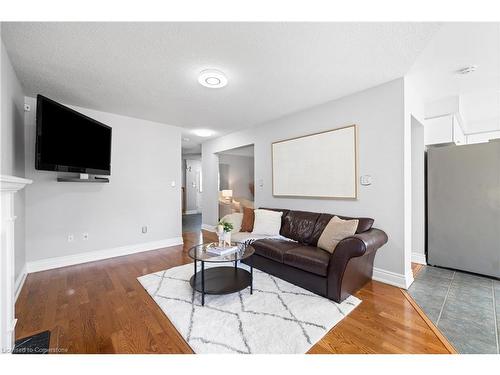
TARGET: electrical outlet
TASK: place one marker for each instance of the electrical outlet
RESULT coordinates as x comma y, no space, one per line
85,236
71,238
144,229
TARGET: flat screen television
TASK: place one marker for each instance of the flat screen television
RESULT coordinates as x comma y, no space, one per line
69,141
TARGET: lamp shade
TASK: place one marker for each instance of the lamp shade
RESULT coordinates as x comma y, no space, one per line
227,193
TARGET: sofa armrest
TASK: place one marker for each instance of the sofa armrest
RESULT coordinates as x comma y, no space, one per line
358,245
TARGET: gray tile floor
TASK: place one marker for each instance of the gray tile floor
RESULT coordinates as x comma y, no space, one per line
465,307
191,223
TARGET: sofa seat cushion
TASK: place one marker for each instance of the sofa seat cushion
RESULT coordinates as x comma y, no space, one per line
273,249
308,258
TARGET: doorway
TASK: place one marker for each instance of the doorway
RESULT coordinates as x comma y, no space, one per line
192,189
236,180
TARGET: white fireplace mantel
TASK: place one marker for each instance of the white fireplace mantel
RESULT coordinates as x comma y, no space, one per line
8,186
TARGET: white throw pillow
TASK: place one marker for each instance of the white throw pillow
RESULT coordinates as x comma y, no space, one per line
267,222
235,219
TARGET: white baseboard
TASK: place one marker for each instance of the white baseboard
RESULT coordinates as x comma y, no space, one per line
392,278
18,285
91,256
418,258
208,227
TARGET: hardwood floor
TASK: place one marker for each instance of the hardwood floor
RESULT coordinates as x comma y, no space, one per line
416,268
100,307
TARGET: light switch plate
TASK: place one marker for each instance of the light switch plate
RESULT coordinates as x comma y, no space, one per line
365,180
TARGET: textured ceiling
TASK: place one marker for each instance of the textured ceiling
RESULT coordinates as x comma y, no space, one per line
149,70
455,46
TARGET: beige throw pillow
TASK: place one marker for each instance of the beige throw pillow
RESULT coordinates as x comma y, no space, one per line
335,231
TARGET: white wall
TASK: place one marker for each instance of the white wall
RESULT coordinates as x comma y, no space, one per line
145,160
482,137
439,130
12,146
418,192
241,174
183,173
379,113
444,129
458,134
415,112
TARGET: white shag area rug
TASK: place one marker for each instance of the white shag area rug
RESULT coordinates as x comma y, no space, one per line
278,317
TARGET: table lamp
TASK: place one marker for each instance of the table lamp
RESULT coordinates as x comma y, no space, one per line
227,194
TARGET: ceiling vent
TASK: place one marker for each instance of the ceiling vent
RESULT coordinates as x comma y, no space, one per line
467,70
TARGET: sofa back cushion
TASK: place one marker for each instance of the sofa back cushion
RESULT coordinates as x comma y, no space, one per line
316,221
364,224
299,225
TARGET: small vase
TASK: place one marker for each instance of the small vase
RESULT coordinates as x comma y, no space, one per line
219,229
227,238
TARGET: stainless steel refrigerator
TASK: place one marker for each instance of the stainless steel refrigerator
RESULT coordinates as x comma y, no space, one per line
463,207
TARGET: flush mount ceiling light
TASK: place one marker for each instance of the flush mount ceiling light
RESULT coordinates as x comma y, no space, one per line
212,78
203,132
467,69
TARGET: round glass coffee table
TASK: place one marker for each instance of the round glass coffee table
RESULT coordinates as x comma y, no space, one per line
220,280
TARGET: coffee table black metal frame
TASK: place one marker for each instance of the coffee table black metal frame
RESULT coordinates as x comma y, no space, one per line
220,280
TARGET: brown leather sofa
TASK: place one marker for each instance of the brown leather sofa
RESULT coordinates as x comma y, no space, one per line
334,276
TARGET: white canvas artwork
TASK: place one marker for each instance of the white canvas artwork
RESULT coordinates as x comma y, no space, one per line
322,165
